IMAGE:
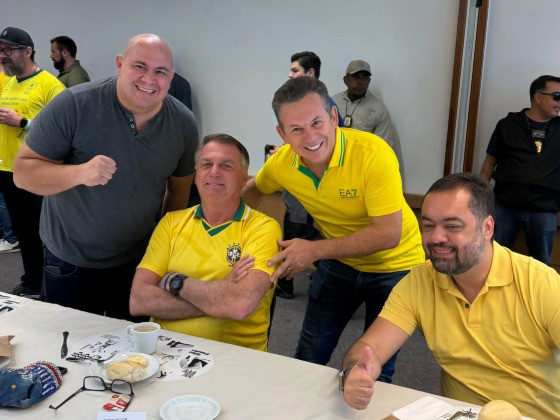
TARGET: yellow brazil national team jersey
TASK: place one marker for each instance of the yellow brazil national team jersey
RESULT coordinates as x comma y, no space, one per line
361,181
184,242
27,97
502,346
3,80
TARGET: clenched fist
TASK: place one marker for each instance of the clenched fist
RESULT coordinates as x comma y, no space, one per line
98,171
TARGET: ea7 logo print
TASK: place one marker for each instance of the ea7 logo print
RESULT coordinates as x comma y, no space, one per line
348,193
233,254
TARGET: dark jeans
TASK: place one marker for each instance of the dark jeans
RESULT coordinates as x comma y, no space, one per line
336,292
102,291
6,222
25,211
539,229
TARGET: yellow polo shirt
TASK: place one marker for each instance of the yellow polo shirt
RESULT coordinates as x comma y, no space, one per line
27,97
503,346
183,241
361,181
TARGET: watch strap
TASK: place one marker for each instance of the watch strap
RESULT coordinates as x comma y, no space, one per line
342,375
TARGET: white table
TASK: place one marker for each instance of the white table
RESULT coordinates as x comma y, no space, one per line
248,384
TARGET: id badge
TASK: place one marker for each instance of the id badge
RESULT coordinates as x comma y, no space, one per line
347,121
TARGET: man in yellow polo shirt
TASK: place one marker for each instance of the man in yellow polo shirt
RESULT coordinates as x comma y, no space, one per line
490,316
205,272
23,96
349,182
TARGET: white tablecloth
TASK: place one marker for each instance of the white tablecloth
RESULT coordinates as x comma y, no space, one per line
247,384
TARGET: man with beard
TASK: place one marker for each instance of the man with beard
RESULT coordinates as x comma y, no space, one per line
490,316
63,55
23,96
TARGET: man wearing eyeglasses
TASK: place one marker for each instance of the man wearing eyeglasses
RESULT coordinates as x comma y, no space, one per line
359,107
21,100
523,158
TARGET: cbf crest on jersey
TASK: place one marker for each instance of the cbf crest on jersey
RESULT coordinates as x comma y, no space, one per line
233,254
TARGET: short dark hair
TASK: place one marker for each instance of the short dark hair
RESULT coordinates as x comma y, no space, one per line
295,89
539,84
225,139
308,60
481,203
64,42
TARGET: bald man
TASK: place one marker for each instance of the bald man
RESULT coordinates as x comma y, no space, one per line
105,155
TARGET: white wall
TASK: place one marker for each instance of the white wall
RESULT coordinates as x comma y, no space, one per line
236,54
523,42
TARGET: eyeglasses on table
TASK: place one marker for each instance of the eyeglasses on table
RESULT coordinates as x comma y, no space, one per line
96,383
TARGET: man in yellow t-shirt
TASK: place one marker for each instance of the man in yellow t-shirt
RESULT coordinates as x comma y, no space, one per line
349,182
205,272
490,316
23,96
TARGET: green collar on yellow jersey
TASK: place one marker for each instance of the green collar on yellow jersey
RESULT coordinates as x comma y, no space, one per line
337,158
241,213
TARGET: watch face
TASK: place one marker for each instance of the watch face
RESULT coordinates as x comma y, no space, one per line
22,123
175,285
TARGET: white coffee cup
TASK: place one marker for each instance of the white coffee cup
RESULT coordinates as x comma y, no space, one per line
145,336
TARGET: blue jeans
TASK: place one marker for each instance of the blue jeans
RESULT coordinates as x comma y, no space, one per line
6,222
336,292
539,229
102,291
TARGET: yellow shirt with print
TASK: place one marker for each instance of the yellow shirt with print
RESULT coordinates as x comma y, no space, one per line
184,242
27,97
362,181
503,346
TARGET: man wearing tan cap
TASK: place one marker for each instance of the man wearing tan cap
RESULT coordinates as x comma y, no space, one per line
359,107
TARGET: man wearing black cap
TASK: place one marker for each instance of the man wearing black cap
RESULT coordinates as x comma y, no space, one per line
359,107
22,98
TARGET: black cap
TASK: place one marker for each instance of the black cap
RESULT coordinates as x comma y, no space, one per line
16,36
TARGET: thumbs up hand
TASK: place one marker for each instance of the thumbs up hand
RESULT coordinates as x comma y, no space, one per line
358,386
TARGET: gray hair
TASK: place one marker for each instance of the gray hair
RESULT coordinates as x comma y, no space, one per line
224,139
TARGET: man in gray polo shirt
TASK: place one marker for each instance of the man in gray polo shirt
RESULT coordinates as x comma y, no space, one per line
105,155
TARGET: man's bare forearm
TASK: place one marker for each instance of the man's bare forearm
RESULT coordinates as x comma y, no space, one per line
227,299
148,298
45,178
375,238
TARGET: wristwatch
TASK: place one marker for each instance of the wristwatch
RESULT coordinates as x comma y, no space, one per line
342,375
23,123
176,283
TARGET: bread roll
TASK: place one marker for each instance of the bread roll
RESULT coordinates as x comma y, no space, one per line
499,410
138,358
128,370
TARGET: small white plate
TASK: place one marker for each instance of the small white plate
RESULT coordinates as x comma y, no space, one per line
190,407
100,369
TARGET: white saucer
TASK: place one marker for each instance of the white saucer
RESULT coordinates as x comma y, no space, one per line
100,369
190,407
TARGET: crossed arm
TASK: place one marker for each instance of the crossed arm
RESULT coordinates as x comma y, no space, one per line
381,340
383,233
235,297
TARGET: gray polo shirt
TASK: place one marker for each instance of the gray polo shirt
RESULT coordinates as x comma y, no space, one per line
109,225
